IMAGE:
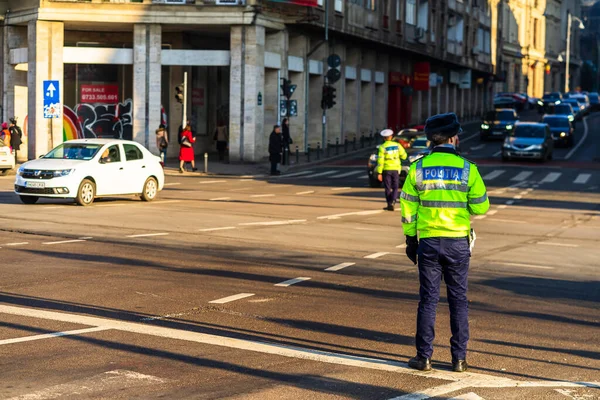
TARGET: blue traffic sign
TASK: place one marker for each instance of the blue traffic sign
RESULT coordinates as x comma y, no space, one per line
52,106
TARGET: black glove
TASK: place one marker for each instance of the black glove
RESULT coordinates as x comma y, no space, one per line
412,244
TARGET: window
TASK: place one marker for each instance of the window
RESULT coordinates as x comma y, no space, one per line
132,152
487,42
536,33
111,154
480,40
398,11
370,5
411,11
423,17
320,2
339,6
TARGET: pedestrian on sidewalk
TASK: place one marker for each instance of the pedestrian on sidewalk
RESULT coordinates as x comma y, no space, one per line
186,151
16,136
441,192
5,135
162,142
287,140
389,164
222,138
275,149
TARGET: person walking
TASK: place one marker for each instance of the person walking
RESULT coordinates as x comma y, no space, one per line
16,136
222,138
162,142
389,164
186,151
275,149
287,140
441,192
5,135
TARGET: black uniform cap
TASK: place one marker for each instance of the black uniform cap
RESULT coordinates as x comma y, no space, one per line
444,124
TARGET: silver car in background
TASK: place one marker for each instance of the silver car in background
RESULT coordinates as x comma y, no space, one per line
528,140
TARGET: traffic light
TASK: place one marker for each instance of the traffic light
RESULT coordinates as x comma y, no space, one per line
328,99
287,88
179,93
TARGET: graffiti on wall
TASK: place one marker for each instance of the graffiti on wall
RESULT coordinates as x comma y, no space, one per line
89,121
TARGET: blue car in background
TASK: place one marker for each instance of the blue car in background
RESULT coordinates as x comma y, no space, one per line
561,128
497,123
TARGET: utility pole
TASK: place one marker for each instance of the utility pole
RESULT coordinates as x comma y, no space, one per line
184,120
568,52
324,132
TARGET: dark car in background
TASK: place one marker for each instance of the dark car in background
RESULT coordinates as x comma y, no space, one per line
594,101
561,128
497,123
549,99
575,106
529,140
564,109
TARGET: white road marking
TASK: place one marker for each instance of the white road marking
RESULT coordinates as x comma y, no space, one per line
517,197
291,282
224,228
496,154
469,138
342,188
492,212
346,174
166,201
319,174
582,141
558,244
232,298
582,179
53,208
53,335
263,195
377,255
521,176
208,182
510,221
478,147
479,217
86,238
147,235
251,176
94,386
172,183
493,175
273,223
338,216
502,206
465,379
296,174
401,246
364,176
436,391
551,177
525,265
64,241
340,266
468,396
17,244
220,199
306,192
510,202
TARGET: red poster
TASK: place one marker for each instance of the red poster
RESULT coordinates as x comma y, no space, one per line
198,97
421,78
108,94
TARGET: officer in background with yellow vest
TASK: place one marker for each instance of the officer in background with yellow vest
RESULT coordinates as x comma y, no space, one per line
389,164
440,194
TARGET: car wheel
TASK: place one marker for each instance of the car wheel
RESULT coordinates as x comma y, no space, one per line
505,158
150,190
549,158
86,193
29,199
4,172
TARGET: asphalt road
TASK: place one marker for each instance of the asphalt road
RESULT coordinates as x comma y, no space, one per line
297,287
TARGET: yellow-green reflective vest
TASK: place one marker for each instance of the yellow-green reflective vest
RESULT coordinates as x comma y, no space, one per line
390,155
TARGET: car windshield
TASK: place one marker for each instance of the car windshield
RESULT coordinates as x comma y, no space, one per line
74,151
573,102
500,115
562,109
528,131
420,143
550,96
557,122
580,100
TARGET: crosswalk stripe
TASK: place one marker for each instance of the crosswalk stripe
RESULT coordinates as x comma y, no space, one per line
521,176
320,174
347,174
493,175
551,177
582,178
296,174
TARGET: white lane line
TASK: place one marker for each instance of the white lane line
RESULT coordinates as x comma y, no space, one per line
338,216
220,199
469,138
521,176
340,266
479,217
147,235
208,182
364,176
53,208
273,223
510,221
64,241
342,188
306,192
468,379
296,174
510,202
496,154
502,206
492,212
229,299
551,177
224,228
517,197
319,174
53,335
558,244
582,179
478,147
346,174
172,183
86,238
525,265
468,396
437,391
263,195
17,244
401,246
166,201
493,175
582,141
377,255
291,282
251,176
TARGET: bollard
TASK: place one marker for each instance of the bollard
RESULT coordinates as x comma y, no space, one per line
362,141
345,145
328,148
286,156
318,150
206,163
308,152
354,143
297,155
337,146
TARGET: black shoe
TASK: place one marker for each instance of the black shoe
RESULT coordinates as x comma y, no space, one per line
460,366
420,363
194,169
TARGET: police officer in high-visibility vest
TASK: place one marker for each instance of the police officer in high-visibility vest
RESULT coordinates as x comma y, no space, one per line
441,192
389,163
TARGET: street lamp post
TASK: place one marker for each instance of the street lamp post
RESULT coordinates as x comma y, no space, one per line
570,17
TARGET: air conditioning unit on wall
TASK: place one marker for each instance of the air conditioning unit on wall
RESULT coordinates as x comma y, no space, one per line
420,35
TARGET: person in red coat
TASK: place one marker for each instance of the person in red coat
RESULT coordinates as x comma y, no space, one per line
186,152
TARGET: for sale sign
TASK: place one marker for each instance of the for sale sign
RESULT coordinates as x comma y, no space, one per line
108,94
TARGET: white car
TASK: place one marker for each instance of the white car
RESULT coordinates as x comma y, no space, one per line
88,168
7,159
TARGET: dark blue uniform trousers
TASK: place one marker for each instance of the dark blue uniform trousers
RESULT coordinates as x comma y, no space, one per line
450,257
391,181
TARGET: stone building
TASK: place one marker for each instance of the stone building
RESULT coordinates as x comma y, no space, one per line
118,63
